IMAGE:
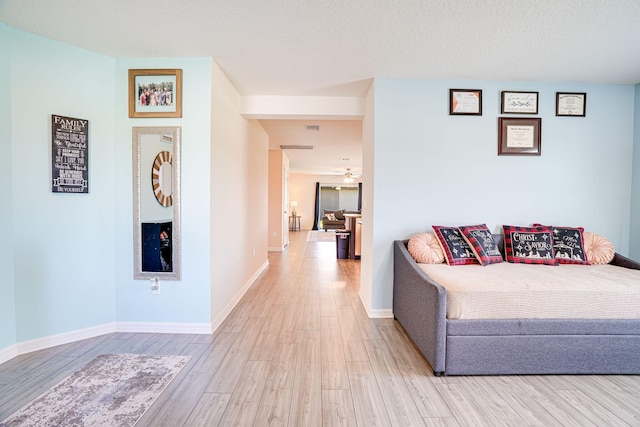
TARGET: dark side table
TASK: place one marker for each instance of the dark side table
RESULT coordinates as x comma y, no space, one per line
294,223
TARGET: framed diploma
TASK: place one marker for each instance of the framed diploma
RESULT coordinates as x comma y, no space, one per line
467,102
519,102
571,104
519,136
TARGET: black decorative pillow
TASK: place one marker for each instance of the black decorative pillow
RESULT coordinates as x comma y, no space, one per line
568,245
482,244
529,245
456,250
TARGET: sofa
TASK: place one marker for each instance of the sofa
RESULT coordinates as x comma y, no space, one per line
514,346
333,220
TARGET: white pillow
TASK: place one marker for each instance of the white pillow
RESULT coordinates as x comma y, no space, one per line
331,217
425,249
598,248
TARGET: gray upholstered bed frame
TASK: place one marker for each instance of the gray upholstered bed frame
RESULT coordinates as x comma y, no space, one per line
510,346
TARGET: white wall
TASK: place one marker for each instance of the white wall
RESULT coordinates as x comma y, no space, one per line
302,189
187,300
634,241
276,230
239,197
63,244
7,286
368,269
432,168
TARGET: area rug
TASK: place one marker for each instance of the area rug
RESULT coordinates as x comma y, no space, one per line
321,236
111,390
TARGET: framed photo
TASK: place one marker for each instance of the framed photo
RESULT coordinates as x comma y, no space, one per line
571,104
519,102
155,93
519,136
466,102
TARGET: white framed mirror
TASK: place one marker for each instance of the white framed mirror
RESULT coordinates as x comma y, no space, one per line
156,203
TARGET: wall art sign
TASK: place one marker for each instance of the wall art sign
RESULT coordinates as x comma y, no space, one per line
519,102
155,93
519,136
571,104
465,102
69,155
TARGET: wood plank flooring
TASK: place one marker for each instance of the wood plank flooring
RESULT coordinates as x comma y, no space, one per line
299,350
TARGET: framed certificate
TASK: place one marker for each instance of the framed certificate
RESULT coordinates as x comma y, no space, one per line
571,104
519,136
467,102
519,102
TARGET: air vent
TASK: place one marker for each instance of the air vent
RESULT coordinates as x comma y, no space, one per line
296,147
313,127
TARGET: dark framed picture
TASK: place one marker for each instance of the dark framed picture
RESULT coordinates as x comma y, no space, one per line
465,102
519,136
155,93
69,154
571,104
519,102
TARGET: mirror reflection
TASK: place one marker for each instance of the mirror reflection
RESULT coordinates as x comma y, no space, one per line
156,202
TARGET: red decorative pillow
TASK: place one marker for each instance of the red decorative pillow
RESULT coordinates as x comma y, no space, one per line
529,245
481,241
456,250
568,244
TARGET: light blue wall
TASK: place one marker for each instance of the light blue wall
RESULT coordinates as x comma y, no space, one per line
188,300
69,257
63,243
433,168
7,290
634,243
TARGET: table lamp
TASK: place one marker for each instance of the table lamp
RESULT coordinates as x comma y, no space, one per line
294,204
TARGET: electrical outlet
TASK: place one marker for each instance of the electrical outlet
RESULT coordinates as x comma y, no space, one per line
155,286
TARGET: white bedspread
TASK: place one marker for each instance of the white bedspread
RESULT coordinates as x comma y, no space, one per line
521,291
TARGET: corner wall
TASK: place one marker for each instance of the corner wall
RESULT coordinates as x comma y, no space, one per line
433,168
634,238
238,198
184,302
368,255
7,280
63,244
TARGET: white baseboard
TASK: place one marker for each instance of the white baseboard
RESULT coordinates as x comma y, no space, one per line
109,328
225,312
64,338
24,347
275,249
8,353
384,313
164,328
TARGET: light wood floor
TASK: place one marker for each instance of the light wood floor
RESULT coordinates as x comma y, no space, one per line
299,350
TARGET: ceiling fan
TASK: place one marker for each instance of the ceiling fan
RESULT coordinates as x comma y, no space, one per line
349,177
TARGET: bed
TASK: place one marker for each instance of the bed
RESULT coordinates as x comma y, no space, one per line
506,346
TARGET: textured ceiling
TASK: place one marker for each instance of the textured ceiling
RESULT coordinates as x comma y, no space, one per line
333,47
337,145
